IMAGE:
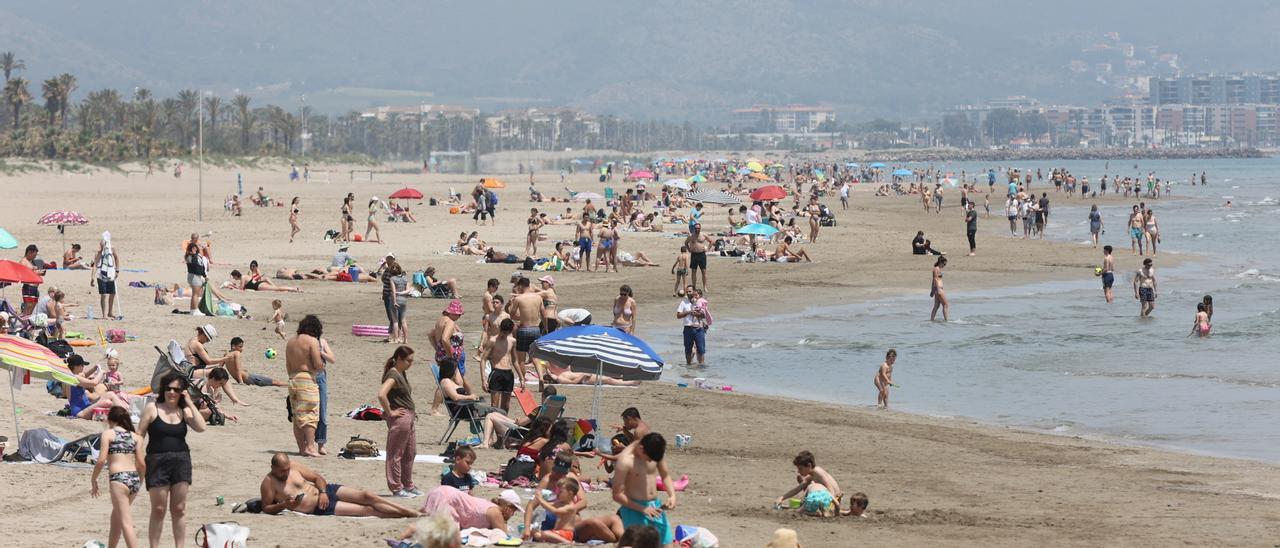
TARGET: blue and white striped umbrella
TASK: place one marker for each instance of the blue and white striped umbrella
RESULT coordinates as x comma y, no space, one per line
599,350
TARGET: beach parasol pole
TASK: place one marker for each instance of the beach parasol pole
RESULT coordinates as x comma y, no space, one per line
200,168
13,401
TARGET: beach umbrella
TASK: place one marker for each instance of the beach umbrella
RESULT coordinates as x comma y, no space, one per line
769,192
18,273
676,183
18,353
699,178
903,172
406,193
744,171
755,166
877,165
61,219
758,229
599,350
851,164
580,161
584,196
7,241
490,182
642,175
714,197
760,176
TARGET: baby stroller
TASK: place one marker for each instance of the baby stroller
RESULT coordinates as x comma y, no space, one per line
825,216
174,360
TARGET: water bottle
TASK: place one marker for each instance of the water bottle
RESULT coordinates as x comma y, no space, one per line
89,311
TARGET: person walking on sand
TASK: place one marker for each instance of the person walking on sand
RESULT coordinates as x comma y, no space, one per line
884,378
1108,273
584,234
372,223
681,271
535,224
302,361
107,264
164,424
1153,229
971,227
698,243
1144,288
120,452
939,296
295,209
1095,224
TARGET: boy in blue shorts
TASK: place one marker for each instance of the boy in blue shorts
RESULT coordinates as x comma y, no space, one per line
635,487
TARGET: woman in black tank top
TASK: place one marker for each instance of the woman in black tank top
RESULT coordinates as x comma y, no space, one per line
164,424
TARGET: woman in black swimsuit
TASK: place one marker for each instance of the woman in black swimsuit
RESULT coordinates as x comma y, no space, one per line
168,475
294,210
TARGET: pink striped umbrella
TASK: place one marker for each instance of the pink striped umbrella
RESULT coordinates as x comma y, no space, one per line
62,218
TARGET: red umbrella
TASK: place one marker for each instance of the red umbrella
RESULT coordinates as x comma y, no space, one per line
17,273
768,193
406,193
63,217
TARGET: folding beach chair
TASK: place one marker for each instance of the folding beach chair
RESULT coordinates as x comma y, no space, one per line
459,412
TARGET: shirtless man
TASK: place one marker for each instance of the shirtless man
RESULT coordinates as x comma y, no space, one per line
698,243
1137,230
1108,273
635,488
784,254
525,308
500,351
298,488
488,305
30,292
1144,287
582,235
302,360
71,260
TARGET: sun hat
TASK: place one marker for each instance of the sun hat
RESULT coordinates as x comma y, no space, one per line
455,307
549,280
784,538
513,498
209,331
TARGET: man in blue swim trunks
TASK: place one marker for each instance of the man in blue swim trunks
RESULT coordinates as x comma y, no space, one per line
635,487
585,229
292,486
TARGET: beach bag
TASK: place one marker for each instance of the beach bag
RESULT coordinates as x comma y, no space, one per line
60,347
359,447
39,445
116,336
366,413
528,264
519,469
695,537
225,534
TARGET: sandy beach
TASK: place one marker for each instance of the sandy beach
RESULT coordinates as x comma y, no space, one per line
930,481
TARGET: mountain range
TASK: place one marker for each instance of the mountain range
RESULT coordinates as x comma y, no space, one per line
660,59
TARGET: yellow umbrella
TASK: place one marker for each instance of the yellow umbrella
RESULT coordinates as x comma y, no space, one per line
755,166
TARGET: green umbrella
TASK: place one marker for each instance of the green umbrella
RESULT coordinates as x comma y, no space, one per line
7,241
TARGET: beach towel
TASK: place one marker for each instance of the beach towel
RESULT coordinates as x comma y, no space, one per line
208,304
304,399
429,459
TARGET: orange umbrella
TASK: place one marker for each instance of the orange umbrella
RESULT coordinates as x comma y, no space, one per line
493,183
760,176
17,273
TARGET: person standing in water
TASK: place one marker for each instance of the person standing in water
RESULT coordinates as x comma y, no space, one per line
1200,326
1144,287
939,297
884,378
1108,273
1095,224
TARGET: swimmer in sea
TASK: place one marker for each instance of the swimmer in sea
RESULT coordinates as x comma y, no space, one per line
1200,326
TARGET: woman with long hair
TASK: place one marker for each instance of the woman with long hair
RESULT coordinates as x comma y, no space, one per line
396,397
168,459
939,297
123,460
295,209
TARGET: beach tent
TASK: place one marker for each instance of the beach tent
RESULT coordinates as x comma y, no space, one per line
490,182
7,241
406,193
18,354
599,350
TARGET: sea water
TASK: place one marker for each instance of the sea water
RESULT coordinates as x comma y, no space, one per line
1055,356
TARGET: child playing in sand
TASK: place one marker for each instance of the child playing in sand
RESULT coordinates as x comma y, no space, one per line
681,270
884,378
821,492
459,474
562,515
277,317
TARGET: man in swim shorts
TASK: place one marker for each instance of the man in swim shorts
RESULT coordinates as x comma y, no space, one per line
698,243
635,488
585,229
302,361
1144,287
525,308
1108,273
292,486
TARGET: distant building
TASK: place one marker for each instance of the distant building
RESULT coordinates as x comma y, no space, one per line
1216,89
423,111
781,119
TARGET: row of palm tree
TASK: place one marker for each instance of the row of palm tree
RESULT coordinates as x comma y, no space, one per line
106,126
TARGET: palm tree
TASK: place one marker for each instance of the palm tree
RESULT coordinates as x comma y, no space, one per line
51,90
9,62
188,103
16,95
244,119
66,85
213,109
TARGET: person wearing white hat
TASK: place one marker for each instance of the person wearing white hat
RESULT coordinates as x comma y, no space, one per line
469,511
107,266
373,225
196,352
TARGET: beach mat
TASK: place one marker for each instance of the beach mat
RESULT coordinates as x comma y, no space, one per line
429,459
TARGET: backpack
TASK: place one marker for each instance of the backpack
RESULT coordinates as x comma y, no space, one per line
492,198
226,534
359,447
